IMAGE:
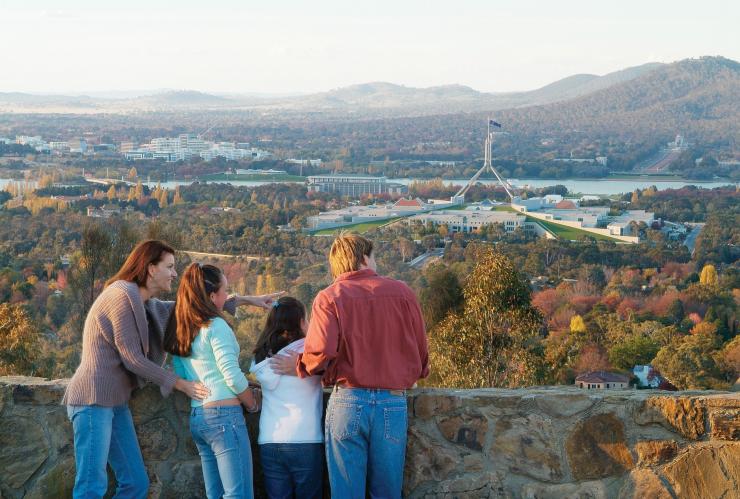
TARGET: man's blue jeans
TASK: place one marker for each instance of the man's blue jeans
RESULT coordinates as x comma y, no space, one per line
106,435
220,433
366,442
293,470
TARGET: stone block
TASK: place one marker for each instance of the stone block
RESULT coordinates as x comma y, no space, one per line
23,449
468,430
472,486
426,461
725,424
38,391
682,414
57,481
157,439
652,452
147,403
644,483
564,405
706,470
187,482
427,405
600,489
529,446
596,448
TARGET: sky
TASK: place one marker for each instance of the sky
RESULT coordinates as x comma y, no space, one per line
291,46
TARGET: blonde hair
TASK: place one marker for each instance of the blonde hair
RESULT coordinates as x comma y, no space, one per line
347,253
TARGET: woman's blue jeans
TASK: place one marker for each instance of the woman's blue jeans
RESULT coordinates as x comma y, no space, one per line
106,435
220,434
366,442
293,470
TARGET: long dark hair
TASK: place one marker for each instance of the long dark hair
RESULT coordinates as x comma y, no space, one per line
282,327
136,267
194,308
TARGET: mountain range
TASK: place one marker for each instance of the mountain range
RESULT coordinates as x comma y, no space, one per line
388,98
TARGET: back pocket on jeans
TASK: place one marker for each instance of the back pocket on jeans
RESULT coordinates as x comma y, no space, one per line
344,420
395,424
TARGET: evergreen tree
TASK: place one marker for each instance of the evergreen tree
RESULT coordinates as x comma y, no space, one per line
495,340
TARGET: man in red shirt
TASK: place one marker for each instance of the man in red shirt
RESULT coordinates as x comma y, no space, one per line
367,340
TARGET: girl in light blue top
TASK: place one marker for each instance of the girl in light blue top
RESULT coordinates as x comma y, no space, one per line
205,349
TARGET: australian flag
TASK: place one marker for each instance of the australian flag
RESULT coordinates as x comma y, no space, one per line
494,123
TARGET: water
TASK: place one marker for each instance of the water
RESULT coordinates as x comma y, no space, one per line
592,187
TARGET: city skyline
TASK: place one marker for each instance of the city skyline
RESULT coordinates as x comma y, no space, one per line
290,47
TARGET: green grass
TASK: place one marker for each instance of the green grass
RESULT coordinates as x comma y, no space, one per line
361,227
254,177
569,233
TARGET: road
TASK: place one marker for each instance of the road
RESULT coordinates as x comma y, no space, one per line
419,261
221,256
690,241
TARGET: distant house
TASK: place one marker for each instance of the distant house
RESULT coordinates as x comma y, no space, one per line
105,211
602,380
649,377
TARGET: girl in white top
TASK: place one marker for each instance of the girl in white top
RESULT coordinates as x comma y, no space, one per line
290,438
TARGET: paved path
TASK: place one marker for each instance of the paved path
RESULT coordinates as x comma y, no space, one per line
690,241
418,262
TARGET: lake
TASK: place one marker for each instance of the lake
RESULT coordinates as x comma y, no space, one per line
594,187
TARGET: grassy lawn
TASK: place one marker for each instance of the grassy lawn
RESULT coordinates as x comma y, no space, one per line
254,178
360,227
569,233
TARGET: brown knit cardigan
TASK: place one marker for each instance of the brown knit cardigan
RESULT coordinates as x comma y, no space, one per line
118,350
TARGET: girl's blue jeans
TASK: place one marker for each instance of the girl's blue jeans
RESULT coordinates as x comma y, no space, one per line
220,433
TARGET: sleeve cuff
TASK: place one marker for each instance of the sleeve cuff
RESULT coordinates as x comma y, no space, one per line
230,306
169,384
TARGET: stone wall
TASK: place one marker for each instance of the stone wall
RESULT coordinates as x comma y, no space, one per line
534,443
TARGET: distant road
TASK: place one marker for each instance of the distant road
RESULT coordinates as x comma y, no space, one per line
418,262
663,161
690,241
199,254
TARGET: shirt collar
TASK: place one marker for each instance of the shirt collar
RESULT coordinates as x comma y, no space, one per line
357,274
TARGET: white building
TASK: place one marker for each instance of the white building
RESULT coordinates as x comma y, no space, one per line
354,185
466,221
304,162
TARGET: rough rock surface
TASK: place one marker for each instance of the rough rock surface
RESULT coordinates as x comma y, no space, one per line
597,448
552,442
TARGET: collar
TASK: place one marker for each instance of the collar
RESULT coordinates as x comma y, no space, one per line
357,274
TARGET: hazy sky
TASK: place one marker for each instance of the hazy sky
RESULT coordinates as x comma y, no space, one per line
282,46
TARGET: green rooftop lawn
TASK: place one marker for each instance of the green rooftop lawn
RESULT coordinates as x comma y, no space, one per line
359,227
569,233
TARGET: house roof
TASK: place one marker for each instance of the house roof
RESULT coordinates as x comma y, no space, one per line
415,203
602,377
566,205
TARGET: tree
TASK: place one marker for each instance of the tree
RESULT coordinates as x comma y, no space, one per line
132,173
19,340
495,340
577,326
112,193
690,364
633,350
708,276
405,247
441,294
178,197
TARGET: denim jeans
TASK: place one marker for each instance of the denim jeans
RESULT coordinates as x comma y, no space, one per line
366,442
106,435
220,434
293,470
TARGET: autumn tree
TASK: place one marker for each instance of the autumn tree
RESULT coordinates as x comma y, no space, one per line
690,363
19,339
441,294
495,340
708,276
